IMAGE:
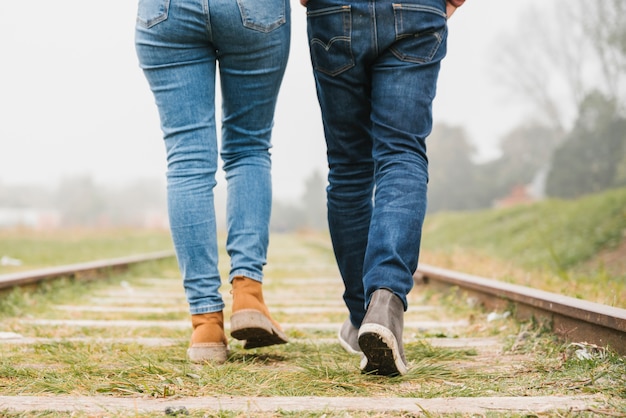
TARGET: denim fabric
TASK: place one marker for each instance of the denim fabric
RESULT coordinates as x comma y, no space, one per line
179,43
376,64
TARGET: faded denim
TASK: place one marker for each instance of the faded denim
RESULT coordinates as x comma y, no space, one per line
179,43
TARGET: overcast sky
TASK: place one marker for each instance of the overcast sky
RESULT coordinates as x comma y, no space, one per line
74,101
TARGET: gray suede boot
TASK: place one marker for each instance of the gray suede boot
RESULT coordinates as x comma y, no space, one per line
349,338
380,335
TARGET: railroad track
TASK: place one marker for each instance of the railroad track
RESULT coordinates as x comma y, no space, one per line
78,271
569,318
454,351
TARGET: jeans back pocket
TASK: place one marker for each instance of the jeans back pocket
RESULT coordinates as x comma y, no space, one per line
330,39
420,31
151,12
263,15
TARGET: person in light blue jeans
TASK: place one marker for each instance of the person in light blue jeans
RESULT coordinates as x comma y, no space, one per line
180,45
376,65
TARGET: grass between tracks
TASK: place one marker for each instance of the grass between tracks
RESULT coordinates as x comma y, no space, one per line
311,365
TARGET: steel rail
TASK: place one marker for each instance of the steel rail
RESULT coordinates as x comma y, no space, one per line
571,319
80,270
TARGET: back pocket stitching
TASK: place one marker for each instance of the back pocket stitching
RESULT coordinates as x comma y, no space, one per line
438,35
148,23
249,23
345,37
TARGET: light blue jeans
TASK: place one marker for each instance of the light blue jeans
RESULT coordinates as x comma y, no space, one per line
376,65
179,44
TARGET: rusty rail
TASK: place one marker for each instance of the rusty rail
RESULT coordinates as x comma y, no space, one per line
569,318
87,269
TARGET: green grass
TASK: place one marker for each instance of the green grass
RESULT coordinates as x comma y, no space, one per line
561,243
554,233
305,367
39,249
529,244
296,369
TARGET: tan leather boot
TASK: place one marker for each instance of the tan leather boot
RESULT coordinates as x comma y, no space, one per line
208,341
251,320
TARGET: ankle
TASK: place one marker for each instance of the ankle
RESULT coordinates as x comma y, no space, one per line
248,294
208,328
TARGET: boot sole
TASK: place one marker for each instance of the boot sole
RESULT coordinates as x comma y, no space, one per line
381,351
255,329
216,353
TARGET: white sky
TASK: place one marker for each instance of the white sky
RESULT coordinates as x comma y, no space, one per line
74,101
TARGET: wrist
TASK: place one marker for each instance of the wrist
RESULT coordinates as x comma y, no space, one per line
456,3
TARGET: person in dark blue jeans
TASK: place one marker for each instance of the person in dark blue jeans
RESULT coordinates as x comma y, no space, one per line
376,64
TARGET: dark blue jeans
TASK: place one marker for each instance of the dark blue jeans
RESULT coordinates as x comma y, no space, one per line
376,64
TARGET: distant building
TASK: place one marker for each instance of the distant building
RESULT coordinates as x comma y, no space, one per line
29,218
519,195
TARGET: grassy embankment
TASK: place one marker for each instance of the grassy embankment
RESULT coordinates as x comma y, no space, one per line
575,247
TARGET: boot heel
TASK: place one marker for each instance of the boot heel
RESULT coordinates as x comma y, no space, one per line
251,321
245,322
215,353
255,329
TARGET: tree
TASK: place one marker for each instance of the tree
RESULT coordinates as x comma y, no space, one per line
286,217
80,201
309,212
593,156
604,23
131,203
564,56
452,174
570,69
526,155
314,201
540,65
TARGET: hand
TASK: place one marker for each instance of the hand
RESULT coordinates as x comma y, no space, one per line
304,2
452,5
450,8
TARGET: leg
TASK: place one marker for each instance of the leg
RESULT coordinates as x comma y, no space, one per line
339,52
179,64
252,64
252,61
404,78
